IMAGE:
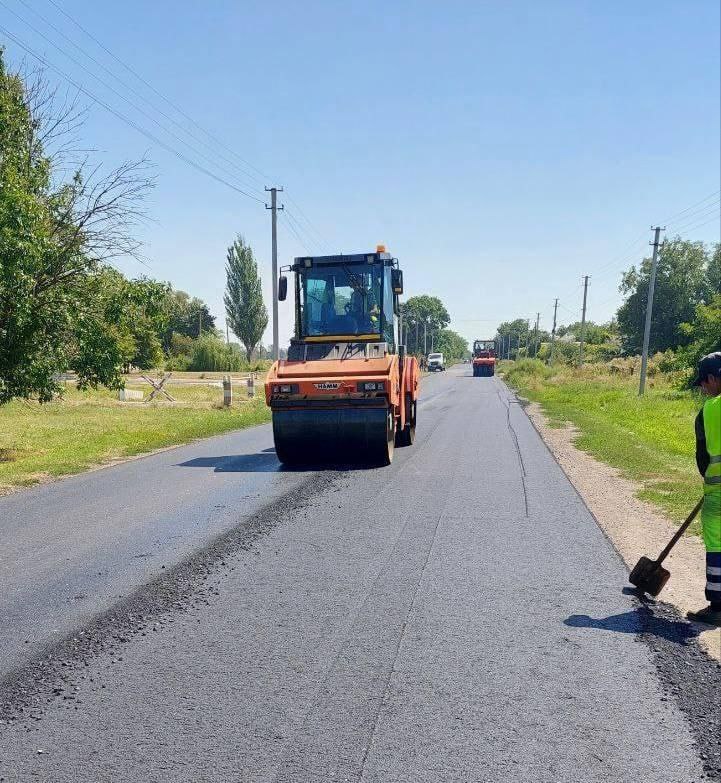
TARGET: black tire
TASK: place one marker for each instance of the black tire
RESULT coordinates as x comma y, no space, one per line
407,435
386,456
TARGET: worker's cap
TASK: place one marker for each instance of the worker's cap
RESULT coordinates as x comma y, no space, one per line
709,365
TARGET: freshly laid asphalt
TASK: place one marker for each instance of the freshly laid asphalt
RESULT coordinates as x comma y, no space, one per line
203,615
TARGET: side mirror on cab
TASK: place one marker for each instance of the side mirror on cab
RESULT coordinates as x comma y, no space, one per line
397,280
282,288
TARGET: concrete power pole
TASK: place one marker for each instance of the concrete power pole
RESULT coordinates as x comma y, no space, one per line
583,320
274,249
536,338
425,338
553,331
528,338
649,309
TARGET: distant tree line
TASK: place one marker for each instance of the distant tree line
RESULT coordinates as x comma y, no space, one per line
686,316
425,321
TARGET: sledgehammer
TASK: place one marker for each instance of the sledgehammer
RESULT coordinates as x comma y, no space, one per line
649,576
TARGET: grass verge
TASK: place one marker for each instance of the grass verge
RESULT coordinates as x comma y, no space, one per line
650,439
86,429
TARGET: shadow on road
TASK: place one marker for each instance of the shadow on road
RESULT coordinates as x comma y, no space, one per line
638,621
267,462
237,463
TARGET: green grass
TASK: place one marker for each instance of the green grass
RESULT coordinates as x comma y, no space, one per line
86,429
650,438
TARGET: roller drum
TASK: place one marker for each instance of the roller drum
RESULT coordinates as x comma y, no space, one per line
307,436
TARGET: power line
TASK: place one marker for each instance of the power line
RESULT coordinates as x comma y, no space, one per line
116,92
291,228
127,120
302,231
712,212
683,211
308,222
127,86
180,111
715,219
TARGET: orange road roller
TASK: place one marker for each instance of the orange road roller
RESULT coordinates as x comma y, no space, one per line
484,357
347,392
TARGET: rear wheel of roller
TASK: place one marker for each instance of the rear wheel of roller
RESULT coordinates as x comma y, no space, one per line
386,456
407,435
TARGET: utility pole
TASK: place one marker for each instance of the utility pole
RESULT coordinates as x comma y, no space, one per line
274,249
425,338
227,333
553,331
649,309
417,343
583,320
536,341
528,338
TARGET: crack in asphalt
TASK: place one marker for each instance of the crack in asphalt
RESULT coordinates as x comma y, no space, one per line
517,445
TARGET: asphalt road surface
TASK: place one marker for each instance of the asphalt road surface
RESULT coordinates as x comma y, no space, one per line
204,615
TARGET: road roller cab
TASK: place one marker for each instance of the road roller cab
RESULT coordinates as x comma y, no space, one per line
484,357
346,392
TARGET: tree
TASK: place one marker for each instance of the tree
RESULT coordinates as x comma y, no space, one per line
419,313
131,313
55,232
713,271
451,345
186,316
704,333
516,332
682,283
243,298
594,334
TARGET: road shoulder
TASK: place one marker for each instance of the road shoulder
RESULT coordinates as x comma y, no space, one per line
633,527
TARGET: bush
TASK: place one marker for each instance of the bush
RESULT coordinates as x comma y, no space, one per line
210,353
568,353
179,363
603,352
528,369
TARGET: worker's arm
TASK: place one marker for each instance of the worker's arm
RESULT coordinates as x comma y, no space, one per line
702,455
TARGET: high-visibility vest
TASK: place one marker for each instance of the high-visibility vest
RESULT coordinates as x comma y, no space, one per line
711,512
712,430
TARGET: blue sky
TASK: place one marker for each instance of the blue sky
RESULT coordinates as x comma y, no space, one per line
500,149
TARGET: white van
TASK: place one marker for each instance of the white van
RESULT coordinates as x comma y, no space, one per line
436,362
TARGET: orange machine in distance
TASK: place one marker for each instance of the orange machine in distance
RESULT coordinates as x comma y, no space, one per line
484,357
347,391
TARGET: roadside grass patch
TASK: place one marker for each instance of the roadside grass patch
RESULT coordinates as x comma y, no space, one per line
650,439
87,429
